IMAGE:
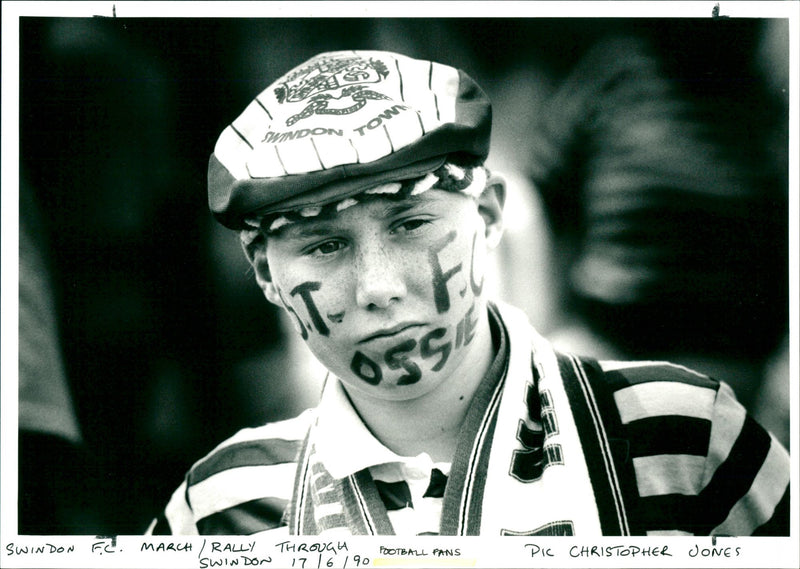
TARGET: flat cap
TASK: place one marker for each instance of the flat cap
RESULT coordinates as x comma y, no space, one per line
339,124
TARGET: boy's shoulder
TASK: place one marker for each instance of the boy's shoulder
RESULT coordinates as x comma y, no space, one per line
240,487
622,374
653,381
696,461
661,395
271,444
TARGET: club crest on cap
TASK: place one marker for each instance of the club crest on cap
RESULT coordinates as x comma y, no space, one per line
339,117
318,81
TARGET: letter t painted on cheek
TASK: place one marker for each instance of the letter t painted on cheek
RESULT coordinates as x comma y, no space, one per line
304,290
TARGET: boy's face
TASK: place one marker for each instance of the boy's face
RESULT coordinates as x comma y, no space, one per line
387,294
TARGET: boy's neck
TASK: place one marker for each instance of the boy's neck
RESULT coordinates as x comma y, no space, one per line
430,423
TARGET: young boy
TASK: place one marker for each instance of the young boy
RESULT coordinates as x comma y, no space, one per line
358,187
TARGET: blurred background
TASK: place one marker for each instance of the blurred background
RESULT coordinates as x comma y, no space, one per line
647,217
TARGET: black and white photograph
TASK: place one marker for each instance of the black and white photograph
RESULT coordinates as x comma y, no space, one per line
282,276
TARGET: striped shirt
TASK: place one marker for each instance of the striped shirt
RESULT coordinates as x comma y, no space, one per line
700,464
687,459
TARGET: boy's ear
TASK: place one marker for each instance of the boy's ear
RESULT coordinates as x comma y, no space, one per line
490,207
256,253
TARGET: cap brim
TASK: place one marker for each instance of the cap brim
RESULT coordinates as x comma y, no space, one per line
245,195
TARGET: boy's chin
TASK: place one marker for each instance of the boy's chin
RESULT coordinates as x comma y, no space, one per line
393,388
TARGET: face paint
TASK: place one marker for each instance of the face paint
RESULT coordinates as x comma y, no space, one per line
304,290
395,360
396,357
336,318
440,294
427,351
441,264
366,369
476,288
465,330
290,310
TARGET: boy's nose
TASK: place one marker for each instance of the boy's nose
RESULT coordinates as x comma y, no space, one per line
379,277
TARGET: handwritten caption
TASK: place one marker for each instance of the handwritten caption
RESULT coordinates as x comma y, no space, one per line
357,553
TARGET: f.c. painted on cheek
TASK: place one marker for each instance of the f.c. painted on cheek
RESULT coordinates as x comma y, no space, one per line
441,296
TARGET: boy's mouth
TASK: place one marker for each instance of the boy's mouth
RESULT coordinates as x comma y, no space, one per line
389,332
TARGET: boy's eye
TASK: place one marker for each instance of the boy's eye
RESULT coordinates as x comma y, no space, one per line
326,248
411,224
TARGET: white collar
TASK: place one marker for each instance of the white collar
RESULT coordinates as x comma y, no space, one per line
342,441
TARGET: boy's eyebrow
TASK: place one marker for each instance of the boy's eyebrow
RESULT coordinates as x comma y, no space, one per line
410,202
396,208
324,225
302,229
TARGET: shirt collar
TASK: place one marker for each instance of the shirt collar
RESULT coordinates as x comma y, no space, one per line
341,441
